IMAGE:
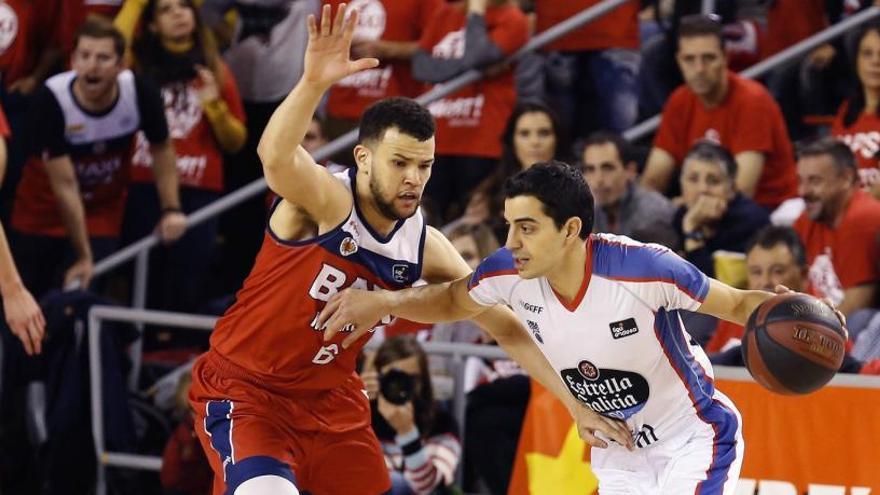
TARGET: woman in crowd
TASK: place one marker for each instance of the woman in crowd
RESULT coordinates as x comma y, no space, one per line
532,134
858,121
714,215
419,438
206,120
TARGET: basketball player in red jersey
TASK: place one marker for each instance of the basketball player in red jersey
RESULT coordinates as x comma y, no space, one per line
280,411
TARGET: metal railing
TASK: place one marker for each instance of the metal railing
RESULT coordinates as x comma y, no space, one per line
785,56
458,352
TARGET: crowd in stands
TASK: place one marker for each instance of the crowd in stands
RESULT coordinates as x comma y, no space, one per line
119,119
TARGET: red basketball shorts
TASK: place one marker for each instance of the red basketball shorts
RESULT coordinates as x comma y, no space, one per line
321,441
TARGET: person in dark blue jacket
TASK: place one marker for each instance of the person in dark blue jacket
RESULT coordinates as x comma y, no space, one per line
714,216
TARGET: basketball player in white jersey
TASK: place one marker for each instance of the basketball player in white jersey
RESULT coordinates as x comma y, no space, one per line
604,310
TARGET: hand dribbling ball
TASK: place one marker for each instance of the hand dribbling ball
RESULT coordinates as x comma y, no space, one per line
793,344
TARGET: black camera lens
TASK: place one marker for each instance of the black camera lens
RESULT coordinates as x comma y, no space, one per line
397,387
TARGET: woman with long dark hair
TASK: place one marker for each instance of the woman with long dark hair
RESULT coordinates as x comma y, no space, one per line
533,134
171,47
858,121
418,437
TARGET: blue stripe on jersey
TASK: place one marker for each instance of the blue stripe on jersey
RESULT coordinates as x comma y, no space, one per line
725,424
397,274
647,263
498,263
218,426
257,466
701,390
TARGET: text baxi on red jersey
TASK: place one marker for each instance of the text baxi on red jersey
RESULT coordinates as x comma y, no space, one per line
267,336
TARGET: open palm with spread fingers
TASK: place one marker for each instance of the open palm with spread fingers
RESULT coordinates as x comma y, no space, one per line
327,58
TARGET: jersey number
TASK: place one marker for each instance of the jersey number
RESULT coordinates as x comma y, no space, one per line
326,354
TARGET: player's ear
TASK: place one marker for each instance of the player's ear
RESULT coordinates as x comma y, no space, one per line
573,228
363,157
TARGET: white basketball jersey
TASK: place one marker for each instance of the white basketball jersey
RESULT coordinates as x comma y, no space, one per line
620,346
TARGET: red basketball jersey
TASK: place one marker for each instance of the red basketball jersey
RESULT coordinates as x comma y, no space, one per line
268,333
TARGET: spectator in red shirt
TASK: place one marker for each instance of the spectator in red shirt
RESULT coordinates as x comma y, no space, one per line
463,36
205,119
603,57
720,106
840,227
390,31
858,121
72,192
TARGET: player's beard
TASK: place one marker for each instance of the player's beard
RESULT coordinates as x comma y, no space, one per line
386,208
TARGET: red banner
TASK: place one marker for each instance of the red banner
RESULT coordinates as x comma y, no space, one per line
825,443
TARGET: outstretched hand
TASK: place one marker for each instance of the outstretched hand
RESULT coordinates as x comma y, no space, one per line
327,58
352,310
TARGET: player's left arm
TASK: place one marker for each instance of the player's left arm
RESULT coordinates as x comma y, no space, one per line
731,304
749,167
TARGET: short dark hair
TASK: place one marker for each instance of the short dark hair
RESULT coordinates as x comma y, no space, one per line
97,27
773,235
711,151
624,149
405,114
696,25
560,188
840,154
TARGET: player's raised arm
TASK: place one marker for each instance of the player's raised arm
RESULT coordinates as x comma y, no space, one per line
288,168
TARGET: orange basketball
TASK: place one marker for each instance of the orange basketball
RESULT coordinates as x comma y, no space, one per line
793,344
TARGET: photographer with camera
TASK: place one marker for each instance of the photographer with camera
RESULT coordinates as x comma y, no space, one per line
419,438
